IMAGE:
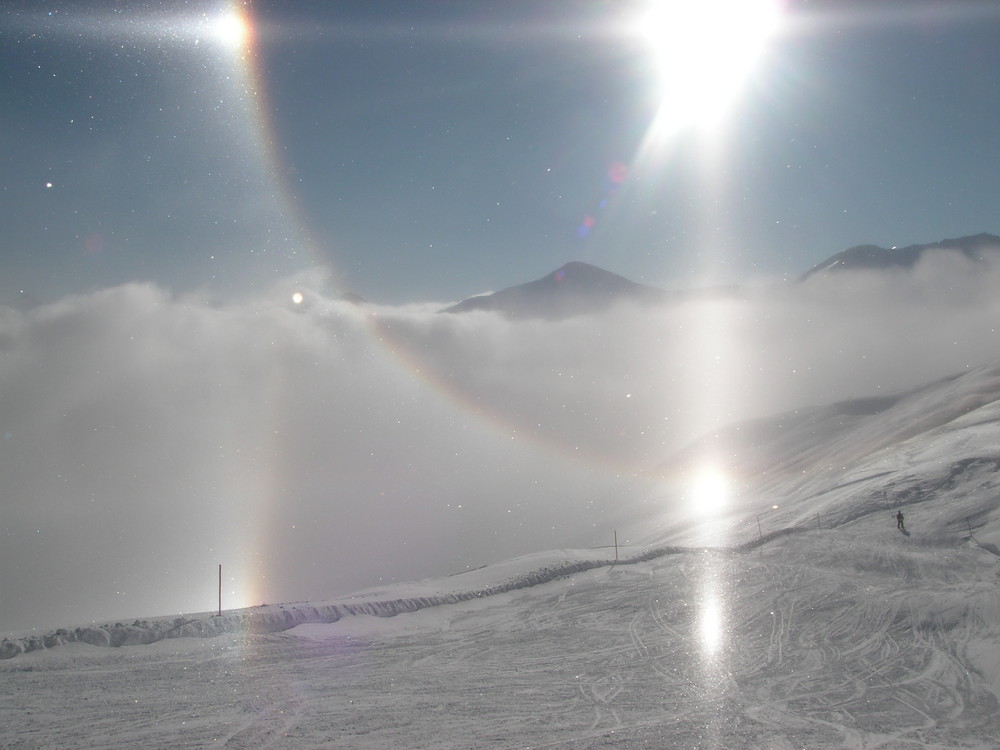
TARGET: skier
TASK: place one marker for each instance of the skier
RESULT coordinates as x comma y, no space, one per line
899,521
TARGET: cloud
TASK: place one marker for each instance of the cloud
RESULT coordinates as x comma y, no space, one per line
317,448
148,438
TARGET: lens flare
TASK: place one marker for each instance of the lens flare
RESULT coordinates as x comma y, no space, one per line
617,174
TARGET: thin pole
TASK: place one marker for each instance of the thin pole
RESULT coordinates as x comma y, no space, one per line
616,545
220,589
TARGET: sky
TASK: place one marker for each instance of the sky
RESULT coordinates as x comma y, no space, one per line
185,199
429,151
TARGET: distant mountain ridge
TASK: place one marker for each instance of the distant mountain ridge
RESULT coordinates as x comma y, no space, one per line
874,257
580,288
574,289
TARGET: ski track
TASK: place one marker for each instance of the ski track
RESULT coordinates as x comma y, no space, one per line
810,655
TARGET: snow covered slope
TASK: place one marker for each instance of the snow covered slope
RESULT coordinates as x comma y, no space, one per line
815,624
853,637
934,451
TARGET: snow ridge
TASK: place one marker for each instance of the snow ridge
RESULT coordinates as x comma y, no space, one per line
272,619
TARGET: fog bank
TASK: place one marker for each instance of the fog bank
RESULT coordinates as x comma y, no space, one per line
317,448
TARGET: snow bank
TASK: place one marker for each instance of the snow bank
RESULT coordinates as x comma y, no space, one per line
519,573
529,570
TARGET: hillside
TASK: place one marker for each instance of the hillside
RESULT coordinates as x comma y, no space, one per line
813,624
845,460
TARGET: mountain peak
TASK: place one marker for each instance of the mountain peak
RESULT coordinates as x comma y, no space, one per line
575,288
972,247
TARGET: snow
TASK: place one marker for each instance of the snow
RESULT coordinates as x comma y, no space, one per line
833,629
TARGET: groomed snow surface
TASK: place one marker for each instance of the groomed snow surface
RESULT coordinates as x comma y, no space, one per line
838,630
855,637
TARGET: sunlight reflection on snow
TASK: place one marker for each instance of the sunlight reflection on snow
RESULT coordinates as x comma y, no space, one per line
710,623
710,634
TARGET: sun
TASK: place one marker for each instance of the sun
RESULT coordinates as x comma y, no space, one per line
702,52
232,28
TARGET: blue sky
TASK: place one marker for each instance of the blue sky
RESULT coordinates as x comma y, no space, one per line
431,150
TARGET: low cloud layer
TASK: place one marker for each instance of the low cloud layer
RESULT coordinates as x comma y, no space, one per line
313,449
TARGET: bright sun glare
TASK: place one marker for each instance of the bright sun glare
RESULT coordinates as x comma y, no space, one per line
703,51
709,492
232,28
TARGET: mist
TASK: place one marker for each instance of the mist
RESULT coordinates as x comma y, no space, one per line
318,448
